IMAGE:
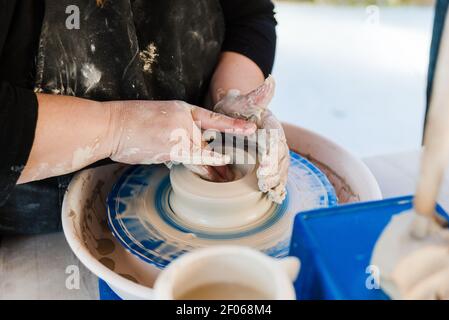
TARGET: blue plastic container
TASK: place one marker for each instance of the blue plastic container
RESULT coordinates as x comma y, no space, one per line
335,246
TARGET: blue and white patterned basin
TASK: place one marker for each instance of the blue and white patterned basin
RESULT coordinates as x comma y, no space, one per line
140,216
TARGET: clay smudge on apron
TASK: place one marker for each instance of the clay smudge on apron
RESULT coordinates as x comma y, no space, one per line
148,57
100,3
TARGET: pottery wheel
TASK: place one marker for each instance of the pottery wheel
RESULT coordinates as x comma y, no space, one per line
142,219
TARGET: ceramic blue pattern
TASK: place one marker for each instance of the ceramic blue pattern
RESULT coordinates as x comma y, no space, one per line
163,208
157,236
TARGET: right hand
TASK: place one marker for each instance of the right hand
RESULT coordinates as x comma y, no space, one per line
272,173
142,132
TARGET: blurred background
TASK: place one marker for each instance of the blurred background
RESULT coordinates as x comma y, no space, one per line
355,70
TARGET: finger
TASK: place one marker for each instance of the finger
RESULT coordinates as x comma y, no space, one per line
269,121
284,165
199,170
284,173
212,158
434,287
224,172
211,120
268,166
268,173
267,184
199,156
277,194
231,94
203,155
263,94
252,106
405,278
205,172
273,182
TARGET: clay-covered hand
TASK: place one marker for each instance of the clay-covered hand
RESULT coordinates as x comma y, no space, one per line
274,159
413,266
150,132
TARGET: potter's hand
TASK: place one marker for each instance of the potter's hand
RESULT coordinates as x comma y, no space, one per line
148,132
72,133
411,266
275,159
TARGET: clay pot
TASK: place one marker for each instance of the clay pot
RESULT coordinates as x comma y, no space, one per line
220,206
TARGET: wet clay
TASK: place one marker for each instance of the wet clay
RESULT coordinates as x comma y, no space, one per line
223,291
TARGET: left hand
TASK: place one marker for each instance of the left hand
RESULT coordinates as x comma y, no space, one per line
413,265
273,166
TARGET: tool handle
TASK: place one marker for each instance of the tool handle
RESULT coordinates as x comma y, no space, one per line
435,155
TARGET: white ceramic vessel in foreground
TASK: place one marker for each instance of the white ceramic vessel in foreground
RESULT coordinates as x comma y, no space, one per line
271,278
86,230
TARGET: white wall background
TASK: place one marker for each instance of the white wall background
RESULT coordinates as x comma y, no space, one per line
354,74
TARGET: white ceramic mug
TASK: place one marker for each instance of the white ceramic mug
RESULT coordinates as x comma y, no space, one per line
263,276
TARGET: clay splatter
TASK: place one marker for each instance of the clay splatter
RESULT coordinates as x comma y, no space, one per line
91,76
148,56
129,277
105,246
100,3
108,263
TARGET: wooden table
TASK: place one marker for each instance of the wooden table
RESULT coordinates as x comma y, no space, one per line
34,267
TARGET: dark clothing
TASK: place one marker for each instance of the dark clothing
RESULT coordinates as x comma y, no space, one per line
438,25
20,23
108,40
138,50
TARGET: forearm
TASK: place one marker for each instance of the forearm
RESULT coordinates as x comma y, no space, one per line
234,71
71,133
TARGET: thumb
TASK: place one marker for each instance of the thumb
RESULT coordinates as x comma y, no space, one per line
262,95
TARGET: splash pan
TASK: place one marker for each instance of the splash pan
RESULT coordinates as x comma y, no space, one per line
142,219
84,214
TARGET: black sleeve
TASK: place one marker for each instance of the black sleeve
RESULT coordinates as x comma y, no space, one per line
251,30
18,103
18,116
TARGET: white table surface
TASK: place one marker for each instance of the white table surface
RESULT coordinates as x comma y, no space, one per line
34,267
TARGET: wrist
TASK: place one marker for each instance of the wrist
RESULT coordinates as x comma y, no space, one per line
114,125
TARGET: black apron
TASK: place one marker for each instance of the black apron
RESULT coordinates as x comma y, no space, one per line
122,50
